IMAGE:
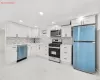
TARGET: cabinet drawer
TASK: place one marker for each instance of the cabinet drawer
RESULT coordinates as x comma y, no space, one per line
66,55
66,46
66,59
65,51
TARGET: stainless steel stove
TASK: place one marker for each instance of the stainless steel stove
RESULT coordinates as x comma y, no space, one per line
54,50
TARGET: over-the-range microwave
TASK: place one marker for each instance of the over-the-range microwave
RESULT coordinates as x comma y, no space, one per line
56,33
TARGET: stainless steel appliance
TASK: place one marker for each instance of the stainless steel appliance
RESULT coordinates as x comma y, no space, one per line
56,33
54,50
21,52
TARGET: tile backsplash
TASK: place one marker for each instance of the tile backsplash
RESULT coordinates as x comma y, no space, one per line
67,40
13,40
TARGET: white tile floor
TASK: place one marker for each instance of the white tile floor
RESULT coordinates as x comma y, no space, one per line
36,68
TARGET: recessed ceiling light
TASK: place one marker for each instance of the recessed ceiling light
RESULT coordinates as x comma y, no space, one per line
35,26
41,13
53,22
81,18
20,21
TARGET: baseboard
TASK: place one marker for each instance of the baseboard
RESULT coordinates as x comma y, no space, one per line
66,63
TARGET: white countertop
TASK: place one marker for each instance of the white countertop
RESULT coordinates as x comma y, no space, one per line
29,44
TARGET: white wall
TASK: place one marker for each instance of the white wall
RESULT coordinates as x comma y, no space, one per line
2,41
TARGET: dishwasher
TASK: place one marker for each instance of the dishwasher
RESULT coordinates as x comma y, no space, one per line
21,52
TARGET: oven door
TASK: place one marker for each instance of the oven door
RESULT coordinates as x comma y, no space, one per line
54,52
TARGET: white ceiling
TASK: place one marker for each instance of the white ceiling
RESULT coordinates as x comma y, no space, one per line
54,10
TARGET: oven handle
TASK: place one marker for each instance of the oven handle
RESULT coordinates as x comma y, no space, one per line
55,47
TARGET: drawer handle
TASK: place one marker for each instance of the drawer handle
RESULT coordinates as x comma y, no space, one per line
65,58
13,47
65,52
65,47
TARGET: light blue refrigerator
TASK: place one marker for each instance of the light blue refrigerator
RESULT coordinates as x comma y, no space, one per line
84,48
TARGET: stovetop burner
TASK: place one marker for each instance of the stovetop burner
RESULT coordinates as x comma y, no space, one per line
54,44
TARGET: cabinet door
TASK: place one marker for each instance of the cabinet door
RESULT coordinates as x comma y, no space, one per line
11,54
23,31
66,31
75,22
30,32
11,30
34,49
89,20
35,33
44,51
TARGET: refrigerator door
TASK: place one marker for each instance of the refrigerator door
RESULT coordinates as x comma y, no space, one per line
84,56
84,33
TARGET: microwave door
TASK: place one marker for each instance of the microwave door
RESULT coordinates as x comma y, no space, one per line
56,33
53,33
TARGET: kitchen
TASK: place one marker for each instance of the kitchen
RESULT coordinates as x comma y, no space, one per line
49,44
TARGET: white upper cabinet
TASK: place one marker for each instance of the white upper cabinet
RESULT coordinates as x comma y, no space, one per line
35,33
75,22
11,30
83,20
23,31
18,30
56,27
66,31
29,32
90,20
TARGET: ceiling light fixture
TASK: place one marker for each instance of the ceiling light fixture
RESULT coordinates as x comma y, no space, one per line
53,22
81,18
41,13
35,26
20,21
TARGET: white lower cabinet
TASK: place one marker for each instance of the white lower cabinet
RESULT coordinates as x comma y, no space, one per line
11,54
43,51
34,49
66,51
